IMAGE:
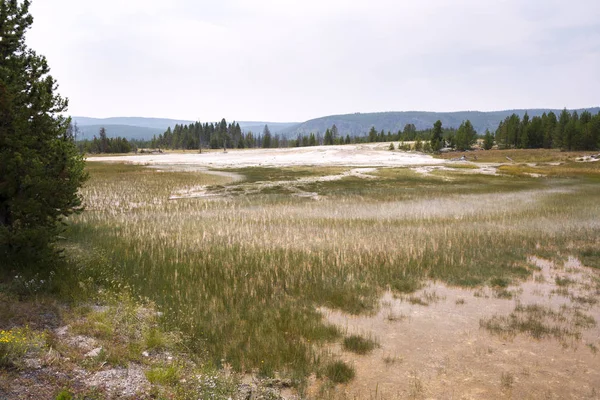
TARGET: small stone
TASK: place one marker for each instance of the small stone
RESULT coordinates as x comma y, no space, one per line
62,331
33,363
94,353
145,354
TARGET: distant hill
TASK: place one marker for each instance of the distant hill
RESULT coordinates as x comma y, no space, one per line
126,131
127,127
157,123
274,127
359,123
146,128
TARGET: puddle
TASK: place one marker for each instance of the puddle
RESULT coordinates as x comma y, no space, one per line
440,351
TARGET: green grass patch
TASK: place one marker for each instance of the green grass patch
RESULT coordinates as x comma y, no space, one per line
540,322
590,257
359,345
563,281
164,375
339,372
463,166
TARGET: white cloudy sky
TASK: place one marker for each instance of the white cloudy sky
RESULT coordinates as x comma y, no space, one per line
292,60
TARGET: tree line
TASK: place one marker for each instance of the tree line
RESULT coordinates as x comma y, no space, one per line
568,131
229,135
104,144
210,135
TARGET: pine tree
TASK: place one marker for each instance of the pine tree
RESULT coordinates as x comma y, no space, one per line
535,133
436,138
372,135
103,141
549,127
488,140
328,140
418,144
523,139
266,141
559,130
250,142
465,136
41,169
410,132
334,133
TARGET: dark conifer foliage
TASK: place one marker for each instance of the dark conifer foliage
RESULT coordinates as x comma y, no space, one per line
40,168
208,135
570,131
108,145
437,136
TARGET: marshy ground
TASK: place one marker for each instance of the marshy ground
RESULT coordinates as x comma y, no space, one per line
428,279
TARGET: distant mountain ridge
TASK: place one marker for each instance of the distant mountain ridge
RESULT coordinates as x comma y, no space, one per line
157,123
127,127
347,124
359,123
145,128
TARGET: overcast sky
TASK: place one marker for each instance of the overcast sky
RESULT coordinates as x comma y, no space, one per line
293,60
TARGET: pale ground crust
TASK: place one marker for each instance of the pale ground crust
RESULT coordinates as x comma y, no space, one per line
372,154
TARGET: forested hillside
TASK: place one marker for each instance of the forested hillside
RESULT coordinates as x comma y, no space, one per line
131,132
361,123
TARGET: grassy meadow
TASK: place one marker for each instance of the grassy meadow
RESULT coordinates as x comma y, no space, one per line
243,273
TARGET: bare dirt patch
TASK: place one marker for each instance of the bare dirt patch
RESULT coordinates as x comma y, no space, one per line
436,348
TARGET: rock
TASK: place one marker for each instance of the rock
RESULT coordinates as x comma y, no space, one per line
99,309
244,392
123,382
262,391
145,354
82,342
268,394
62,331
33,363
277,383
94,353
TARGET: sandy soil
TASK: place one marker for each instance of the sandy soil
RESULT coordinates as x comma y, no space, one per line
372,154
